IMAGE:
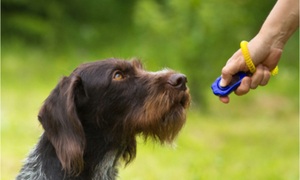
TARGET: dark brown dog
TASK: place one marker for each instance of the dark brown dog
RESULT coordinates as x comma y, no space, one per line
92,117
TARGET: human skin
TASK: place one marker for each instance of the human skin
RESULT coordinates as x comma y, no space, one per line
265,48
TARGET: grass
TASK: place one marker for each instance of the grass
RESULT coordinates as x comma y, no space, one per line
253,137
255,146
222,150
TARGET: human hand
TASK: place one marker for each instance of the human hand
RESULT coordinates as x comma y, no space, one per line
264,57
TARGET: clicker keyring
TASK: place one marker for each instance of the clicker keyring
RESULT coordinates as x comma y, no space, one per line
218,90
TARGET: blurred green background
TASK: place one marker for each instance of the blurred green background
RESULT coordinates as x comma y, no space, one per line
253,137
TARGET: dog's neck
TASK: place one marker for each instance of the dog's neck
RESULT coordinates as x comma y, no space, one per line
43,162
107,168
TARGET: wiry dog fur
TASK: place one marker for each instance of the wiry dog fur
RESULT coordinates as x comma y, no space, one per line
92,117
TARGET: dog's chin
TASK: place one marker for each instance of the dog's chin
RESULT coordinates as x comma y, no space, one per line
176,114
185,100
182,102
171,123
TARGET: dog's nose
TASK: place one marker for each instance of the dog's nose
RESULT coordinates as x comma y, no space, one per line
178,81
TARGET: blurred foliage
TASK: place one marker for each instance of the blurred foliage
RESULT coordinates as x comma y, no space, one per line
56,24
195,37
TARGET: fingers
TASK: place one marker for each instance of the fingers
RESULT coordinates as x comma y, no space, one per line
260,78
244,88
234,65
226,78
267,76
263,56
224,99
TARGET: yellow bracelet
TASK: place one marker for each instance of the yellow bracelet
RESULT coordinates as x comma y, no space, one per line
275,71
249,61
247,57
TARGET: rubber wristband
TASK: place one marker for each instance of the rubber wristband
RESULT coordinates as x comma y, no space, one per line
249,61
275,71
247,57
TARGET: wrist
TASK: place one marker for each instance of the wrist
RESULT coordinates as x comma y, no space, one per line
281,23
276,37
271,38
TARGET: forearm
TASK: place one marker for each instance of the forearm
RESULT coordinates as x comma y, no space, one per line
281,23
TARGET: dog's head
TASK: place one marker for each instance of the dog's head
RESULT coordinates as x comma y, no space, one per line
114,100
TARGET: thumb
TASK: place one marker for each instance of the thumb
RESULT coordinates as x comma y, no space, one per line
225,79
235,64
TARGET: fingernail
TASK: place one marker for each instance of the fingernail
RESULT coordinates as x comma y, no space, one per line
222,83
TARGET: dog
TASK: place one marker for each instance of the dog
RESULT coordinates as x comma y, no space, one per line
92,118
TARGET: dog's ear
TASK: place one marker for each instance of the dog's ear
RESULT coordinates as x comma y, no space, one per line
62,125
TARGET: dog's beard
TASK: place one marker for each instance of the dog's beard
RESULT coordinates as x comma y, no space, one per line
163,117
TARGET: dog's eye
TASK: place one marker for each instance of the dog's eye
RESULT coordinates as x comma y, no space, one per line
118,76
